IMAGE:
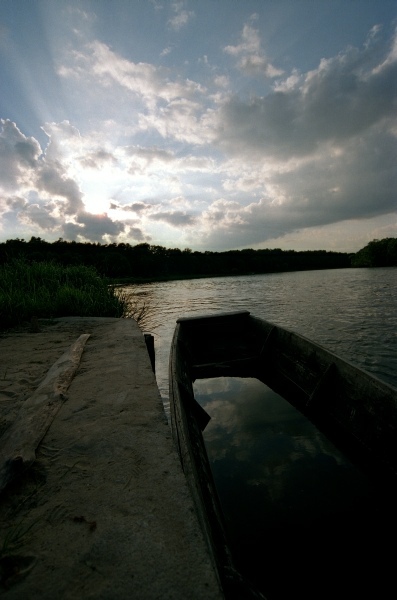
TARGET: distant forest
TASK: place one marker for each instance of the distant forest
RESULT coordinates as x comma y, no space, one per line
124,262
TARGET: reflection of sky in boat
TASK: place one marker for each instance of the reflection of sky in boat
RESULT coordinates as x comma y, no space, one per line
292,503
272,467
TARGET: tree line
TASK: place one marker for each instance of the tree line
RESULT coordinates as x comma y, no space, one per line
378,253
145,261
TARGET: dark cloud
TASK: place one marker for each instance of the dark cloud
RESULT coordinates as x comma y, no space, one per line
343,97
40,216
93,228
136,207
305,205
98,159
52,179
12,203
142,158
19,155
175,218
27,152
150,154
137,234
359,182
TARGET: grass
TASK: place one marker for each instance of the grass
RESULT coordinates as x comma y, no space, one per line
136,308
50,290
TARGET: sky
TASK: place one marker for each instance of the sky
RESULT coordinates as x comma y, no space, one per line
202,124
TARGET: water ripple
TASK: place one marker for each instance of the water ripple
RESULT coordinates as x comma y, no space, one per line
352,312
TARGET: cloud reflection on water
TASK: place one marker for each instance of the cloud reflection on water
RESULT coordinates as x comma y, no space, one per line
268,458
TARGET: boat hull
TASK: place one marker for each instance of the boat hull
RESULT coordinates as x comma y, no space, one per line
355,410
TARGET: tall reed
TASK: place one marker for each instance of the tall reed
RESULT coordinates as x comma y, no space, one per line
47,289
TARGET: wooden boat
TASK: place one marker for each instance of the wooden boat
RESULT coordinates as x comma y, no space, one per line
354,409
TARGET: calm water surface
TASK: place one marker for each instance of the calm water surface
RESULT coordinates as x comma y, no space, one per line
294,505
352,312
302,520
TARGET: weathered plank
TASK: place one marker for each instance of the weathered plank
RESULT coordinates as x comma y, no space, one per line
18,444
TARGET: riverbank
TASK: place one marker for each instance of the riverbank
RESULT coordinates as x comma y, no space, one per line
104,511
122,282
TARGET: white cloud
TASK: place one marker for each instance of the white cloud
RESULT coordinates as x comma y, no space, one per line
64,140
156,152
222,81
96,62
181,16
25,168
181,119
52,201
251,58
289,83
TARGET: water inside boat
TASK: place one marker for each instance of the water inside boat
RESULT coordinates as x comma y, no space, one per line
301,518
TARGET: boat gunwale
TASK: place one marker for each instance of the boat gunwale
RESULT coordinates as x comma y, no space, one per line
181,366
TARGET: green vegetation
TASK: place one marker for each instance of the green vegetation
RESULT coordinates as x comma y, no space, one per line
44,280
122,262
378,253
46,289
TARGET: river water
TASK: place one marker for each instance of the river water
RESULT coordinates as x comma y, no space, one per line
292,502
352,312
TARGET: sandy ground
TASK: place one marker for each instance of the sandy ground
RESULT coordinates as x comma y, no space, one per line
26,354
104,512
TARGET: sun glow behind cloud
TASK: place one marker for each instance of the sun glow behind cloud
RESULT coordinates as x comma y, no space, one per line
184,141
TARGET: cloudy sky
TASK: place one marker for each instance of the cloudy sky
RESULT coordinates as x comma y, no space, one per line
209,124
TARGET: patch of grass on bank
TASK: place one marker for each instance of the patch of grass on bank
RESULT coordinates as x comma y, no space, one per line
48,290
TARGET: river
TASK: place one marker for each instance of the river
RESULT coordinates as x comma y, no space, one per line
301,518
352,312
